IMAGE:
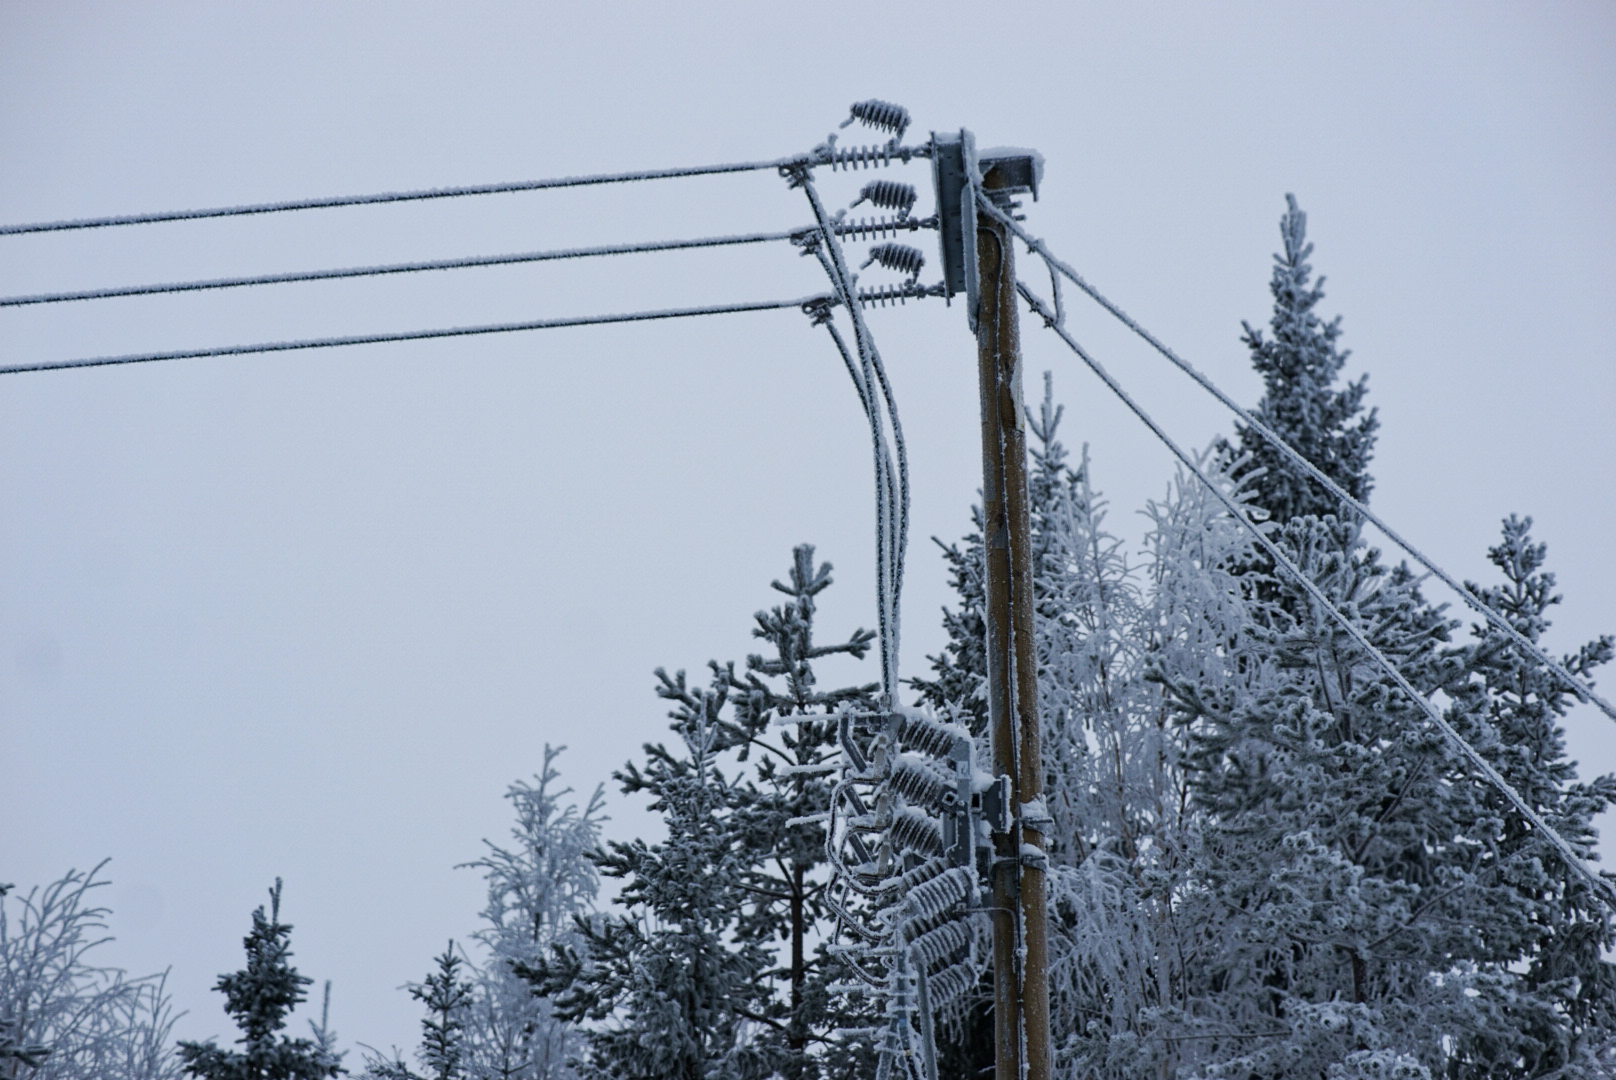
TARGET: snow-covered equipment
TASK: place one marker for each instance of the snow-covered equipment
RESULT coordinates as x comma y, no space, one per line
910,845
881,115
899,257
889,195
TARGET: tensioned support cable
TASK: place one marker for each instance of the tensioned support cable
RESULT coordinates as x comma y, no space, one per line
844,158
1601,888
1579,687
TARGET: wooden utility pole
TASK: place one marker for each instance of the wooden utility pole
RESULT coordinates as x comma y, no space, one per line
1020,918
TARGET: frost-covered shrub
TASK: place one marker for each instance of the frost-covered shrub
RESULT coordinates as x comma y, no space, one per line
61,1016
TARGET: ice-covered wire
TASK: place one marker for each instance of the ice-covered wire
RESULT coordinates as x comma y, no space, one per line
1601,888
391,197
1580,688
827,155
419,335
399,268
892,489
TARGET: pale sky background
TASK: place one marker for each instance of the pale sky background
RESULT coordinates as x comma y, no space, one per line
307,615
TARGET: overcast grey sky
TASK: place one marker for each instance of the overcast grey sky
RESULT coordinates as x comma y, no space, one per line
308,614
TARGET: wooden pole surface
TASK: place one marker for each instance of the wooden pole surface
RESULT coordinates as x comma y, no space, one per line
1020,918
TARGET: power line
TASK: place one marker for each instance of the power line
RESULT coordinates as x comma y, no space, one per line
889,294
388,197
419,335
1581,689
836,158
394,268
1603,889
875,227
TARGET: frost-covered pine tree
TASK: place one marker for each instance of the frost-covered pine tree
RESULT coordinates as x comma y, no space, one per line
736,894
259,998
538,883
1299,365
669,994
62,1017
783,721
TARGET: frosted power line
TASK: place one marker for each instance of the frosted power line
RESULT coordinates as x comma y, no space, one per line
1601,888
1581,689
419,335
845,158
866,298
395,268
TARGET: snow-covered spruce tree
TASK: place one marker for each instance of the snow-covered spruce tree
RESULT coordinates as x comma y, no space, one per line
736,894
61,1016
1544,994
447,996
1362,897
260,997
1327,895
1299,365
537,885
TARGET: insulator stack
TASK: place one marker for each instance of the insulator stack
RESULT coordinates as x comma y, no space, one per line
861,157
951,983
881,115
947,943
899,257
889,195
918,782
939,896
919,875
916,831
897,294
880,228
910,778
928,736
909,928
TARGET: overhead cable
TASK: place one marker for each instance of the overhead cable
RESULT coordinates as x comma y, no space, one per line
394,268
866,298
1579,687
1601,888
879,226
826,155
419,335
